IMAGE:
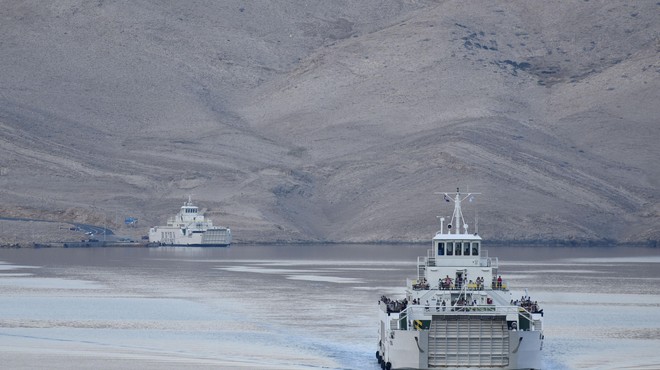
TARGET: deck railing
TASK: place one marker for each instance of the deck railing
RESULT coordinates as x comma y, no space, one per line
431,260
426,312
472,287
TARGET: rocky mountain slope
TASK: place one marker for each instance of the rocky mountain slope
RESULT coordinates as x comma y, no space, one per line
336,121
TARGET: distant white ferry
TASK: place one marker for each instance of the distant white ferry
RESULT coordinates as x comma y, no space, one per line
189,228
459,313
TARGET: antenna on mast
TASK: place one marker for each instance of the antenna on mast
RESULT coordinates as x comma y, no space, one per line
457,220
476,221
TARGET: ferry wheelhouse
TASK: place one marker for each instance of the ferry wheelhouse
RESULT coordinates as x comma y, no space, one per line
458,312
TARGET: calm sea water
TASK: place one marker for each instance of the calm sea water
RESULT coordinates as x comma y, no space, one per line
297,307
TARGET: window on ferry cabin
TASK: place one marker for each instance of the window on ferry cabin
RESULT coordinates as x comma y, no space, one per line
458,249
466,248
441,249
450,248
475,248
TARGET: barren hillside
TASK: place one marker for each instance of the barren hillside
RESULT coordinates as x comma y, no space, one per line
335,121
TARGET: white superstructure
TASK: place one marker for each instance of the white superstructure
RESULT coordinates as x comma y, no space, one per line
459,313
190,228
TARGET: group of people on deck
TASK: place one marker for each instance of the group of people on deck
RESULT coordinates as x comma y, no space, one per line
422,284
461,304
526,303
448,283
394,305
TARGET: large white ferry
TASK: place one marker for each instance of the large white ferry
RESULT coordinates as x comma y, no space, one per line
190,228
459,313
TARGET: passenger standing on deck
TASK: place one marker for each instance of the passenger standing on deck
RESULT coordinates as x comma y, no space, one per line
499,282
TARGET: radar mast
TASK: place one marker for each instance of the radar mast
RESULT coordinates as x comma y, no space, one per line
457,220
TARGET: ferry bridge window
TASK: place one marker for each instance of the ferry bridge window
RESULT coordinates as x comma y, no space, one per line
450,248
475,248
441,249
458,248
466,248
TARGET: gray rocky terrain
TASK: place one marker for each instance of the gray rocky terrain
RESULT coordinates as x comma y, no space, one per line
333,121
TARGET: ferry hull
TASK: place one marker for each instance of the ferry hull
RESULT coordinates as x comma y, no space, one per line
196,245
459,342
178,237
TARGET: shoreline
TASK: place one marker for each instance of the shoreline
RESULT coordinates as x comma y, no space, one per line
559,243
